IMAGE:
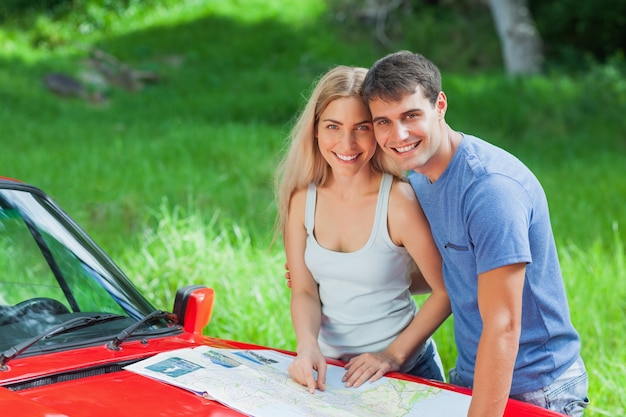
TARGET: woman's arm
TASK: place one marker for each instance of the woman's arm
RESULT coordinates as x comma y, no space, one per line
409,227
306,309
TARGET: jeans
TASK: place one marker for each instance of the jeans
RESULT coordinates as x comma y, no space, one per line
429,364
566,395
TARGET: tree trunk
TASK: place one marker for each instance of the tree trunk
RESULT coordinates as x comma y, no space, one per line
519,38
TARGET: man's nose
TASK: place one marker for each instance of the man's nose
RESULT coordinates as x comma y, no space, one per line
401,131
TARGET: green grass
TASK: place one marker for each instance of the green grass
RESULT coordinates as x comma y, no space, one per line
190,246
597,290
175,181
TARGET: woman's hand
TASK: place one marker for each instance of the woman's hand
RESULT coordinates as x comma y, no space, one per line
305,365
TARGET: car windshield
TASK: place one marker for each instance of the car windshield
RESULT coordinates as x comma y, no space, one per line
51,271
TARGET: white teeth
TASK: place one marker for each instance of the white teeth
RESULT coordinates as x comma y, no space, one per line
346,157
406,148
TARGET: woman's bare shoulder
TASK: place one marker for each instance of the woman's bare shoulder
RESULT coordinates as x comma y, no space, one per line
298,200
404,210
402,193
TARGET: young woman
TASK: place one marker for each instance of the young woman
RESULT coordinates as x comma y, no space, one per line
353,232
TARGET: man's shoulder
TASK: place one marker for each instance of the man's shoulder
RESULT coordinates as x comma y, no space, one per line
483,158
473,145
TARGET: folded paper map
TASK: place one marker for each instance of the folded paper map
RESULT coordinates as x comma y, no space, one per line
256,383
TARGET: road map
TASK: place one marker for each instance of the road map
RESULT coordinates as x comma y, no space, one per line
256,382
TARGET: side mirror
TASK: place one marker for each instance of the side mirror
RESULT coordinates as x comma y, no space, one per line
193,306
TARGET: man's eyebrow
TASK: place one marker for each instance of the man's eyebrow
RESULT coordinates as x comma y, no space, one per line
404,113
417,110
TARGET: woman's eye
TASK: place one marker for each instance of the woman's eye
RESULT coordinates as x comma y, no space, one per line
363,127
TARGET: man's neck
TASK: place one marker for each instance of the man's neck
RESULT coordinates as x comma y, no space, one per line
439,162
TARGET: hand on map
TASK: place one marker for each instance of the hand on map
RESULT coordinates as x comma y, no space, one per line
368,367
302,369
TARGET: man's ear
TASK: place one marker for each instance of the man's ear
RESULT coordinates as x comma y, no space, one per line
441,104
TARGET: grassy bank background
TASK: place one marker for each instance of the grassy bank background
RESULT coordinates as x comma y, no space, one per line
175,180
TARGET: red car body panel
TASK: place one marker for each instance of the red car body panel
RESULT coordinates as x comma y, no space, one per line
120,394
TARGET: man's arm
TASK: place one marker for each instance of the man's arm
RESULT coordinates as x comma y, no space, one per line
408,227
500,305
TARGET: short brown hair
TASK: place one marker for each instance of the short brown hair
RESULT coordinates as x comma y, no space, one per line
399,74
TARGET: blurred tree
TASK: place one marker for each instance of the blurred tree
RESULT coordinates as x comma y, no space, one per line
376,11
519,39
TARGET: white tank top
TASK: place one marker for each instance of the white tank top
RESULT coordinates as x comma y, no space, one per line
365,294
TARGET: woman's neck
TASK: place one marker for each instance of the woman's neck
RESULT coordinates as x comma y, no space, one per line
363,183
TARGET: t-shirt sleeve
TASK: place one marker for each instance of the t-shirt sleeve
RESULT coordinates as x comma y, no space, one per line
498,212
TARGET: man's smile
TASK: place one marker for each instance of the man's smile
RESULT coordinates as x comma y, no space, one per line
407,148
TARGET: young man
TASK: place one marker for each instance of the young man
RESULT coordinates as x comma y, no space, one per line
489,218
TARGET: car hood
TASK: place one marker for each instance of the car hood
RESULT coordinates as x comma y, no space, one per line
118,393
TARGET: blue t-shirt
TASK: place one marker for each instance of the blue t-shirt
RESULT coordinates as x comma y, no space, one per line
488,210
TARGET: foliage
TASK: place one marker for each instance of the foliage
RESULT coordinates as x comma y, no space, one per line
572,29
175,179
574,34
14,8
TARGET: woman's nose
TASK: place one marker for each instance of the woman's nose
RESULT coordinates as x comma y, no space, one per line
348,139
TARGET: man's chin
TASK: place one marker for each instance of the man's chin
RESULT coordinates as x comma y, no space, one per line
404,163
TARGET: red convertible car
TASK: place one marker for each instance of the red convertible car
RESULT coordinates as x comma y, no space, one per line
71,322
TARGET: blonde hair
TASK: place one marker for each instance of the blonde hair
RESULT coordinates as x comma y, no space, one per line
303,163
